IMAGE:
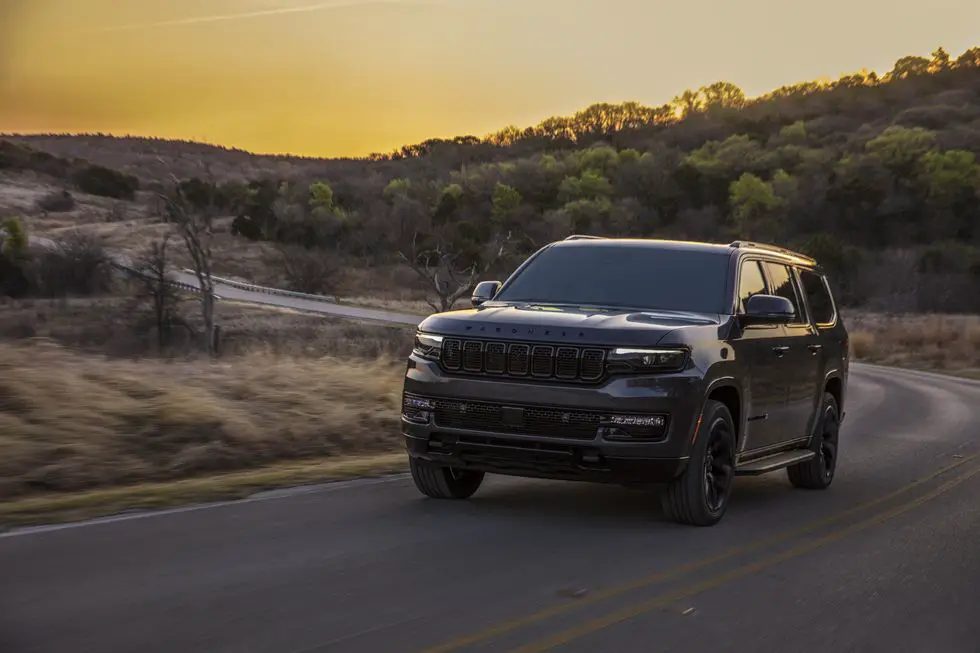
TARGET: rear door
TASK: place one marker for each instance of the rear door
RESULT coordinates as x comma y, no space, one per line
755,346
802,361
823,317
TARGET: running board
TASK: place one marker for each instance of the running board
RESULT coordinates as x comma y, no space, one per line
772,463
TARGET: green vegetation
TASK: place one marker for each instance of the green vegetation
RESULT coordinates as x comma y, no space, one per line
875,175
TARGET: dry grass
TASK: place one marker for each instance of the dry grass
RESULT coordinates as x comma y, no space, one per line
945,343
107,325
70,421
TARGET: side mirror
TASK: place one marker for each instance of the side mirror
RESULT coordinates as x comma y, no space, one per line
768,309
484,292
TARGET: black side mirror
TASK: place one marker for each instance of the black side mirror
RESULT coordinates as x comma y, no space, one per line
484,292
768,309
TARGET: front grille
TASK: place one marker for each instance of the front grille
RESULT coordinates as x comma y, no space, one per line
522,360
542,421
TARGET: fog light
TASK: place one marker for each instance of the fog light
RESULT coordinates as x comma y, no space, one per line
655,421
416,410
633,427
411,401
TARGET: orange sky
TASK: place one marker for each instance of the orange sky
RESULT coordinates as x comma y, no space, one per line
349,77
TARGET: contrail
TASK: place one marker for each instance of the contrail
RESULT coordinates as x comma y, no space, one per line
320,6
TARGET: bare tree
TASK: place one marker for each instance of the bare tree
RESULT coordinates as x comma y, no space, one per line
440,269
194,224
155,289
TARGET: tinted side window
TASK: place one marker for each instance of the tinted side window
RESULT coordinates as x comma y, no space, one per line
751,282
818,296
782,285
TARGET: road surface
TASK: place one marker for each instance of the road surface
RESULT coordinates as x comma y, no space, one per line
886,560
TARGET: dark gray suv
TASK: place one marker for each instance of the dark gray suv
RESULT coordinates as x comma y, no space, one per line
637,362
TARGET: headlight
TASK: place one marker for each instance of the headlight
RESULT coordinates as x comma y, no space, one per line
427,346
653,360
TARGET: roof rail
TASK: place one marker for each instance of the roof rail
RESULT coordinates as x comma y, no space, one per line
770,248
584,237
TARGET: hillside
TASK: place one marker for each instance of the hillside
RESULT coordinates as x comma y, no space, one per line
876,175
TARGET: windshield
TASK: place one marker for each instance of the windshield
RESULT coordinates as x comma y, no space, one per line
618,275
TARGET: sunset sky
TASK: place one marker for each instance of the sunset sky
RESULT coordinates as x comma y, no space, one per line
349,77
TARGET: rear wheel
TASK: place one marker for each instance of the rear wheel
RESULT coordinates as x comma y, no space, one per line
440,482
818,472
700,495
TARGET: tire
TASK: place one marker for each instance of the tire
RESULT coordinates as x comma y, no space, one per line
818,472
699,497
439,482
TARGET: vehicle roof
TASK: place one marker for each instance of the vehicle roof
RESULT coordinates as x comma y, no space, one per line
736,247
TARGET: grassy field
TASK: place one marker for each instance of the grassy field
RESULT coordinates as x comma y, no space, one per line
943,343
73,422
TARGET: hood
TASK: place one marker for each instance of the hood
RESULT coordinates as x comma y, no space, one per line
565,324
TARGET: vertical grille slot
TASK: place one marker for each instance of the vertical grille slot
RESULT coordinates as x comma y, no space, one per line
519,360
561,363
542,360
495,357
566,363
452,353
592,364
473,356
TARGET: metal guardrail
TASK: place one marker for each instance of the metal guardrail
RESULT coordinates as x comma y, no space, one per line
265,290
170,282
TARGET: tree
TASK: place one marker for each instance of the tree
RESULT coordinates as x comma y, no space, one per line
910,67
754,204
951,175
321,196
590,185
14,258
307,270
722,95
899,148
940,62
440,268
969,59
152,279
195,226
16,244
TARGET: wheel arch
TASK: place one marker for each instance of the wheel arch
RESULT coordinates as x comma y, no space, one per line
834,384
728,391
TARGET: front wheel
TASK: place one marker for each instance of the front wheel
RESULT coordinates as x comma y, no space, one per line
440,482
817,473
700,495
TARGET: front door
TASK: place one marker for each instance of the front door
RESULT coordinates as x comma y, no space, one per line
757,346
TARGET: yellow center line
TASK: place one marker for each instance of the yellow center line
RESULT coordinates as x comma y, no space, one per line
682,570
663,600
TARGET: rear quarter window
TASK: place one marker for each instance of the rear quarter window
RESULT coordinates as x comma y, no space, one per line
818,297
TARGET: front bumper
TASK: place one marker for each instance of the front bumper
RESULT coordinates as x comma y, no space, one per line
575,452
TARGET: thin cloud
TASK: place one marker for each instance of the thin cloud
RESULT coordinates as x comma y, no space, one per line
261,13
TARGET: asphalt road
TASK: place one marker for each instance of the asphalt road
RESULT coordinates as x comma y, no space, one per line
886,560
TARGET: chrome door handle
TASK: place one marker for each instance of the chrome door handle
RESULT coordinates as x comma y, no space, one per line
814,348
780,349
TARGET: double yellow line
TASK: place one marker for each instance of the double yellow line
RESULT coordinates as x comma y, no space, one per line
662,600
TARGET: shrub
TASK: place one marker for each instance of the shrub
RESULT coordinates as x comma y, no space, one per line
78,265
57,202
105,182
